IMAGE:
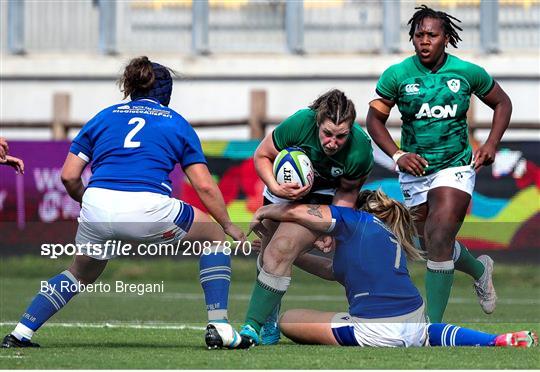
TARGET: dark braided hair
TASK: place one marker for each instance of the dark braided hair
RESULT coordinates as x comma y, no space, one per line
449,26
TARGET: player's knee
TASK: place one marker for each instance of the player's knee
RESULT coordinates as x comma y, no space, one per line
84,277
281,249
216,233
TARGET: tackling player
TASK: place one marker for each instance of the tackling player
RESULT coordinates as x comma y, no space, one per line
373,242
342,158
432,90
133,147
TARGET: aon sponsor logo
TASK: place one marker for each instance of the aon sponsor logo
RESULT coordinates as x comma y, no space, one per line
436,111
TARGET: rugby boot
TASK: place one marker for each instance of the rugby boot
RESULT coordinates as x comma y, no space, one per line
517,339
11,341
270,333
487,297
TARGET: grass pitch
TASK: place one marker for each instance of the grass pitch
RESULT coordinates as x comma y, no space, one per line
111,330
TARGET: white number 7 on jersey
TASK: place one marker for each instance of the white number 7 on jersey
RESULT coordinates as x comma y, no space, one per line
398,253
128,143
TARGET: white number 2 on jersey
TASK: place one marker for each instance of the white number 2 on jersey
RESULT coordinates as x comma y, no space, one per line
128,143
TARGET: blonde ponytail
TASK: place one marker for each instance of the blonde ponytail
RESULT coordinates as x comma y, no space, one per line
394,214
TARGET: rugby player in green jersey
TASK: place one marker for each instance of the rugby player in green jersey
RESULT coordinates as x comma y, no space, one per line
432,90
342,158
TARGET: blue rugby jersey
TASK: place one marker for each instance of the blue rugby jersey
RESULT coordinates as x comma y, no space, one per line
134,146
371,266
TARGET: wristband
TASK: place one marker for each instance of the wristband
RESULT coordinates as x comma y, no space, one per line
398,154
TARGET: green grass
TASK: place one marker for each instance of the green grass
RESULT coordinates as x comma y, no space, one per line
96,345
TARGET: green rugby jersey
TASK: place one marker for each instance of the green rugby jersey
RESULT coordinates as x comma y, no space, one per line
433,107
352,161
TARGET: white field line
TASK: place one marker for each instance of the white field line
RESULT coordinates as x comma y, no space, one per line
314,298
119,325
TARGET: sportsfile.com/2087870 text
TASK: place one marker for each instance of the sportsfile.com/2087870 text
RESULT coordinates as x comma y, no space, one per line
119,248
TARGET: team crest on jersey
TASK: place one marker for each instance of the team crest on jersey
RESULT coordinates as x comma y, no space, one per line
454,85
336,172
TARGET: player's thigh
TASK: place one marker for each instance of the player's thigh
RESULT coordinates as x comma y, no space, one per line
419,213
204,228
308,326
447,209
289,240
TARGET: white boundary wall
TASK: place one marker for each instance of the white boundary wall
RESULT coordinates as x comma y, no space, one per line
217,87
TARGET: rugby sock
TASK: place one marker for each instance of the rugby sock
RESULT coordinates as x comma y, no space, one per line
215,278
441,334
275,311
266,295
465,262
439,279
53,295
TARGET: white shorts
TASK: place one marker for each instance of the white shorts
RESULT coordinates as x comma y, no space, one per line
130,216
415,189
407,330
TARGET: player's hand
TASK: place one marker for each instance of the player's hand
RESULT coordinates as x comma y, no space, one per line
291,191
256,245
413,164
325,243
234,232
13,162
4,148
256,225
484,155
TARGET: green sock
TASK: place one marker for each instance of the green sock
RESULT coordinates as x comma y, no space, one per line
263,300
467,263
438,287
275,311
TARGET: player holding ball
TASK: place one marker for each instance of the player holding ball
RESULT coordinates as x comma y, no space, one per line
342,158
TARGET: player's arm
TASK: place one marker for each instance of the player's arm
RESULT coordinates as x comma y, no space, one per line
263,160
71,176
501,105
347,192
316,265
13,162
313,216
4,148
210,195
379,110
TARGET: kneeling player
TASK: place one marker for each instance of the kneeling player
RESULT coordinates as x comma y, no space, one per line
385,308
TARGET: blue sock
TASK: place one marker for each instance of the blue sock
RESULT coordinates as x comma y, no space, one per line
53,295
441,334
215,278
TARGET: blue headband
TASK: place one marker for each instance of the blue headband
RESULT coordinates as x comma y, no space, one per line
162,88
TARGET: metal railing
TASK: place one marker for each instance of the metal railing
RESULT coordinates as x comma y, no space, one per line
275,26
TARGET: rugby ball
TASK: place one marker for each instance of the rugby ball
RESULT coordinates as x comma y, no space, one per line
293,165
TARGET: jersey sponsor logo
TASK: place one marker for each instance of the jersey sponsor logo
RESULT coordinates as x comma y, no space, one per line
412,89
336,172
437,111
454,85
